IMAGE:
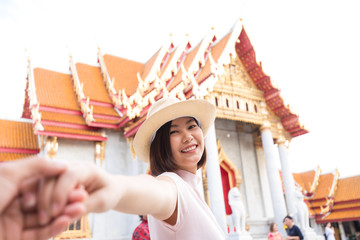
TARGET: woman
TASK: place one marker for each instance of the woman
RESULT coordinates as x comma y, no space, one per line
274,234
329,232
172,139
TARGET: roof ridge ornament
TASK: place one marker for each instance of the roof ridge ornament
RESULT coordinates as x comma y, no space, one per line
109,83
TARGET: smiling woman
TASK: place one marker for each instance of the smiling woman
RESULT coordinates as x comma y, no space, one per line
172,137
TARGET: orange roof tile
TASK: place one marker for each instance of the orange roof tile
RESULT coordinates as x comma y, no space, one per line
177,79
315,204
110,121
305,179
62,117
346,205
168,61
124,72
5,156
218,49
205,71
325,184
348,189
94,86
148,65
55,89
105,110
14,134
190,57
71,131
342,215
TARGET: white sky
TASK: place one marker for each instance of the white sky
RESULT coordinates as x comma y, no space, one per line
309,48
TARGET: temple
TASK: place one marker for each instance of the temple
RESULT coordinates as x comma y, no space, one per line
92,113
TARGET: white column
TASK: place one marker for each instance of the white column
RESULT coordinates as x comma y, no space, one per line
274,176
342,231
217,203
288,180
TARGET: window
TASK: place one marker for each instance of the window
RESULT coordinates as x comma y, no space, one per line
76,230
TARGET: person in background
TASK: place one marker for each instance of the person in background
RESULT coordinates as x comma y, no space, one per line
141,232
293,231
329,232
274,234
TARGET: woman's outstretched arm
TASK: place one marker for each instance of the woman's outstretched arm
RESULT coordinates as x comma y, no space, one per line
142,194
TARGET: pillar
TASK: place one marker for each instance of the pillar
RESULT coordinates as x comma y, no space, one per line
342,231
277,196
288,180
217,203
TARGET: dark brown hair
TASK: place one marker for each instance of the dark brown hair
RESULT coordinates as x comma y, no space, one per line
161,158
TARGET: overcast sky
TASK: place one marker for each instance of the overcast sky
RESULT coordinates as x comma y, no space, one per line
310,49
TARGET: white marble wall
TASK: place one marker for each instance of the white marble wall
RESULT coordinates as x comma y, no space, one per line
239,147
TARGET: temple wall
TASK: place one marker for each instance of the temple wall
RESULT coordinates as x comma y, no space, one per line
227,134
118,160
240,149
75,150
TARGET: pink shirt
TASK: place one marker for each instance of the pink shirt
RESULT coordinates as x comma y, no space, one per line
194,219
274,236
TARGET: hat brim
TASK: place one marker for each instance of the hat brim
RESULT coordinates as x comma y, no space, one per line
200,109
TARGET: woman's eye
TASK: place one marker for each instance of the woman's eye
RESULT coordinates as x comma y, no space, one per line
192,126
172,132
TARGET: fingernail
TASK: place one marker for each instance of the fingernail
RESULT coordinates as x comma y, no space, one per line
54,209
29,200
43,217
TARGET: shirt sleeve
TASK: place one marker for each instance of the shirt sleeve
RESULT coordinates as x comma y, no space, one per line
299,233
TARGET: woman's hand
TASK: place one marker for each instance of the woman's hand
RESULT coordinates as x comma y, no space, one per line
18,213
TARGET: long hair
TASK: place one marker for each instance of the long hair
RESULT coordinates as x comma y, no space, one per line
161,158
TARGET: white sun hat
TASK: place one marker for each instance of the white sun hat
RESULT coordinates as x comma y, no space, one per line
165,110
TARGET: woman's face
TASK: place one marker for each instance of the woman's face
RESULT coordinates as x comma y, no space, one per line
275,228
187,143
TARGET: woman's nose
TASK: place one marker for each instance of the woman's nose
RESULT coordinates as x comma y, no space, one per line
188,137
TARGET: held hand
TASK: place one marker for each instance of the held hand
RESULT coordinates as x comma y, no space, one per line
54,194
18,217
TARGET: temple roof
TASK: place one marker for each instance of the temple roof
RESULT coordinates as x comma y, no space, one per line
117,92
334,199
54,107
17,140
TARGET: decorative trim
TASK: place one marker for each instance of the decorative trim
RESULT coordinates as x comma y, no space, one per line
19,150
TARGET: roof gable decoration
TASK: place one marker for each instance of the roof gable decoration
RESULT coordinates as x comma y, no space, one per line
34,105
314,184
330,197
229,49
115,97
173,66
204,49
160,60
135,103
84,103
203,53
